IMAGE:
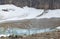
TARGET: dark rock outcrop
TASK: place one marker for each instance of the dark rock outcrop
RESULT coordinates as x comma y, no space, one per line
43,4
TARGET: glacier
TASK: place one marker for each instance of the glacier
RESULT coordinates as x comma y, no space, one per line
12,13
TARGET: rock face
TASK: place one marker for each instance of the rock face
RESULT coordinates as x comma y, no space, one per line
43,4
33,23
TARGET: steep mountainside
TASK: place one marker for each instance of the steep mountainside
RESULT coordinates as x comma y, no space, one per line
44,4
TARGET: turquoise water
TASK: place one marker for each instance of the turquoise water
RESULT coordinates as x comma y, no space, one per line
18,31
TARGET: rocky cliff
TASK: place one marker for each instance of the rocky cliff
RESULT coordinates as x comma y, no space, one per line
43,4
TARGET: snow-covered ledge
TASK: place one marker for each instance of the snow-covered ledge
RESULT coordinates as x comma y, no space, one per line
29,17
32,20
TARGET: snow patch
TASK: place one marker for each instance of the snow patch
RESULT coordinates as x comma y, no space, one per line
12,11
51,14
3,35
58,27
